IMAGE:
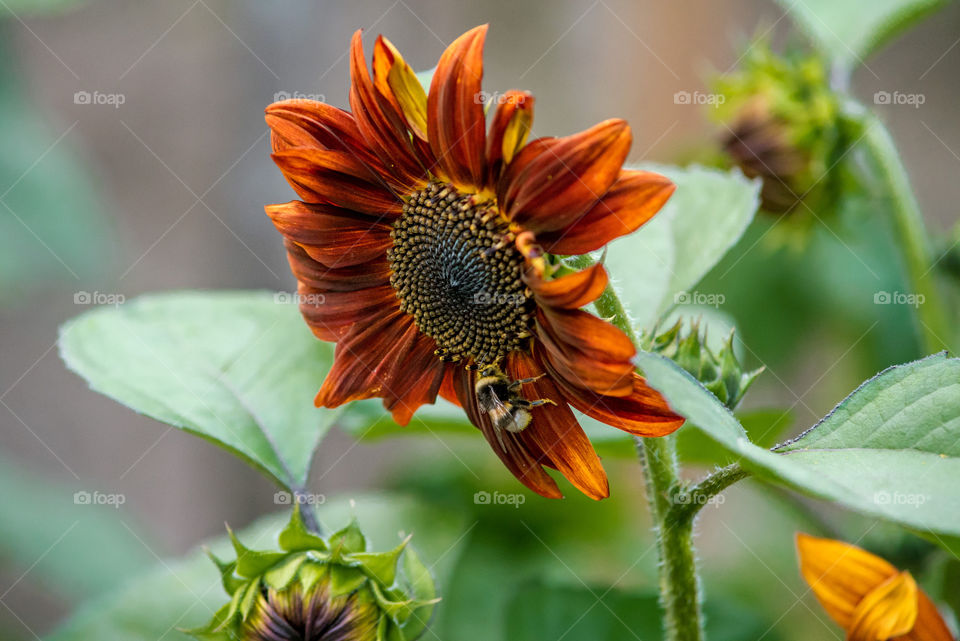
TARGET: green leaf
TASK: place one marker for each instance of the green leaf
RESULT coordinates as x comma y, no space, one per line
540,612
236,368
656,266
52,229
891,449
184,594
849,30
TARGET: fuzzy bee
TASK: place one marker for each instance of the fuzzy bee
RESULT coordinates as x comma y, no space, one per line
500,398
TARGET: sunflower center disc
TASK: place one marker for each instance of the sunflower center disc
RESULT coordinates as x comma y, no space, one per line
455,272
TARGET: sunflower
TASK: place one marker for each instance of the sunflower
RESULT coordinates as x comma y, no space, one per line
424,246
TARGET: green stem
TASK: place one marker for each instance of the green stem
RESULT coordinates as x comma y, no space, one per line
933,326
688,503
679,583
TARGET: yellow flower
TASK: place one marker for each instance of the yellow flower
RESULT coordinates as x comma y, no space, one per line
866,595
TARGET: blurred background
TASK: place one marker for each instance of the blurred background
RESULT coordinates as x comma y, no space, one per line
135,159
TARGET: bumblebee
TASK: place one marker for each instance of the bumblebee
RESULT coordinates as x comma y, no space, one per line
500,398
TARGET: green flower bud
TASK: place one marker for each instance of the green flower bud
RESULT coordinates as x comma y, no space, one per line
783,125
719,372
321,588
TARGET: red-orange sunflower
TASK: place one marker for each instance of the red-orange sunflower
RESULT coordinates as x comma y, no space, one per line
428,237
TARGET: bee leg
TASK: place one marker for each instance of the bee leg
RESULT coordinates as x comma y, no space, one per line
478,364
520,402
523,381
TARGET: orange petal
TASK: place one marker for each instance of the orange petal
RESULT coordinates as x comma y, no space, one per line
380,123
840,575
554,431
572,291
336,279
396,81
330,314
888,610
455,122
643,413
333,236
929,626
632,200
367,356
508,447
509,130
555,181
416,381
336,177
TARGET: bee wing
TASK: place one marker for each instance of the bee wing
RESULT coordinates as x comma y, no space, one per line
500,416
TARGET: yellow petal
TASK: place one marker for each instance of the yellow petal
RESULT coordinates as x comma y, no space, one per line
407,90
517,129
930,626
888,611
841,575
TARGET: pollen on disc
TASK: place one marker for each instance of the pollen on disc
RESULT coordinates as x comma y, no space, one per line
453,270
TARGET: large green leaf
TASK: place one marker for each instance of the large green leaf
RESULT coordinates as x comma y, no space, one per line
890,449
64,551
185,593
237,368
540,612
849,30
656,266
52,229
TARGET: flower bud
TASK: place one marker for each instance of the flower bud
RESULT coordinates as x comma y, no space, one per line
720,372
321,588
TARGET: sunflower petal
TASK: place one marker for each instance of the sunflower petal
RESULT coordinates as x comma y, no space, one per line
380,123
333,236
508,447
416,382
887,611
330,314
572,291
555,432
509,130
554,181
929,626
396,80
336,177
840,575
455,119
335,279
632,200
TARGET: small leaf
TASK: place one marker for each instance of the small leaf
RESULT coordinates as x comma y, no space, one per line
349,540
382,566
239,369
296,537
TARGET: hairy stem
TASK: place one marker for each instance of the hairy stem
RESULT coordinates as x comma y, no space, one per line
679,582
